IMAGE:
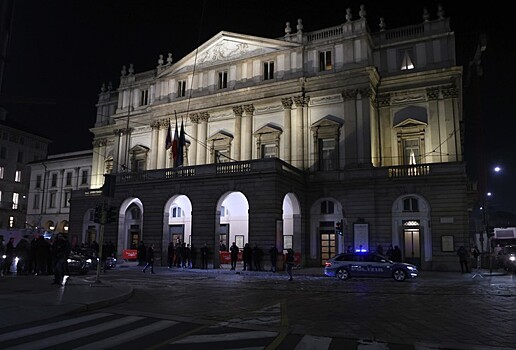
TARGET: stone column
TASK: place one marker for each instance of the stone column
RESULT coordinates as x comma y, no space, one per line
247,132
97,164
237,147
300,139
194,147
117,162
287,134
203,138
153,161
162,137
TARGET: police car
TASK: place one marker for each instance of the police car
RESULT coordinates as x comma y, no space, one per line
347,265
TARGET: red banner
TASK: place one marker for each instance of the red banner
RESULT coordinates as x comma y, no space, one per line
130,254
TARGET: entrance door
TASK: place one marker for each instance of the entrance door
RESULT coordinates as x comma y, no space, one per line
412,245
175,233
134,234
328,240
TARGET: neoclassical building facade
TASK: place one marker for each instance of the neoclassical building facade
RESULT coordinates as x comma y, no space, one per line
286,138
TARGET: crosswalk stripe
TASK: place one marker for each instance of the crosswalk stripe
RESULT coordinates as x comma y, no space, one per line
63,338
49,327
310,342
208,338
127,336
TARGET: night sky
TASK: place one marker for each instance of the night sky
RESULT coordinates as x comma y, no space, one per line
62,51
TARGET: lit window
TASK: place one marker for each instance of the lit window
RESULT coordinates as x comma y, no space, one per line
406,62
223,80
411,155
18,176
1,172
325,61
268,70
11,221
181,88
144,97
66,202
327,154
16,199
268,151
223,211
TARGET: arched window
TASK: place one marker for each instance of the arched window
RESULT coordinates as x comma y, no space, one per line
410,204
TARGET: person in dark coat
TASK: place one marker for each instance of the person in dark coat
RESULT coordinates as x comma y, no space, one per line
234,255
142,252
22,251
150,259
60,251
273,252
247,256
170,254
463,259
396,254
257,258
289,260
42,256
204,256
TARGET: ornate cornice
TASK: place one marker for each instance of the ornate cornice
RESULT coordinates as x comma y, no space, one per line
99,142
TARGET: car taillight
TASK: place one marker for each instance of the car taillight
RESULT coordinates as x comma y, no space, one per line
327,264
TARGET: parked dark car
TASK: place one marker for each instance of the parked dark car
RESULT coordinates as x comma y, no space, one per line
358,264
93,256
78,264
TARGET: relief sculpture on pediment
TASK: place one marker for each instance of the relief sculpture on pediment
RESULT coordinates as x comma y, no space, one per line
224,50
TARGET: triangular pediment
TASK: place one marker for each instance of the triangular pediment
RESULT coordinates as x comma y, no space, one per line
269,129
226,47
220,135
328,121
409,122
410,116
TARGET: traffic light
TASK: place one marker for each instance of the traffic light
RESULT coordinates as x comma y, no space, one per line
338,228
98,214
112,214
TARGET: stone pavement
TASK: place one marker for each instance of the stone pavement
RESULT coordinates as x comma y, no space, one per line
33,298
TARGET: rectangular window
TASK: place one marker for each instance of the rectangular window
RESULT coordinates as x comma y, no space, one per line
407,62
52,200
222,156
84,177
223,80
20,156
327,207
18,176
69,179
411,154
35,204
38,181
0,196
181,88
54,180
327,154
66,199
3,152
269,151
144,98
2,169
16,199
325,61
268,70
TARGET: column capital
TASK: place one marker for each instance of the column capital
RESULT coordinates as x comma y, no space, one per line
194,118
287,103
249,109
238,110
301,101
99,142
432,93
204,116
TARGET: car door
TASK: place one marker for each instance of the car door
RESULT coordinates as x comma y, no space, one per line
378,266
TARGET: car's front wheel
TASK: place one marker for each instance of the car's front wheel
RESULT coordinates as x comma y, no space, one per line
343,274
399,275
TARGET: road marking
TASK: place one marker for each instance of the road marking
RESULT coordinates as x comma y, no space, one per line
210,338
310,342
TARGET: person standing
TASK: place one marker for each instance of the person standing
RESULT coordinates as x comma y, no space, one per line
396,254
170,254
234,255
204,256
290,262
273,252
150,259
463,259
142,251
257,258
247,255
